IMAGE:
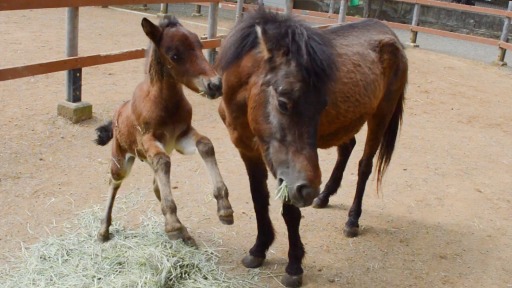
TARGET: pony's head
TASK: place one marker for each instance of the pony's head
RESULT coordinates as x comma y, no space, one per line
180,54
285,104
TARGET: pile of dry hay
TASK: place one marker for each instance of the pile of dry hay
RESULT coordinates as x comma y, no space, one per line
141,258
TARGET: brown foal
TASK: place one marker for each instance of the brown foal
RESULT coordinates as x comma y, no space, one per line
157,121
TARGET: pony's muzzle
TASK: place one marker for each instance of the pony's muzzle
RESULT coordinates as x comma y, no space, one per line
300,195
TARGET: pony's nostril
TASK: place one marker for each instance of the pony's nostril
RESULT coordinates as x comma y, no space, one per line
301,190
306,193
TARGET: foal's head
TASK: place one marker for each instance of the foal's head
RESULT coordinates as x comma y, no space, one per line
284,110
179,55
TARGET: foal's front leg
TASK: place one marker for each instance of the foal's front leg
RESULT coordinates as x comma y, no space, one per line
161,164
204,145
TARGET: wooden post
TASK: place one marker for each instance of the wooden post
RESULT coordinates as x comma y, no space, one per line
289,7
415,20
239,10
504,38
331,7
73,108
212,29
343,11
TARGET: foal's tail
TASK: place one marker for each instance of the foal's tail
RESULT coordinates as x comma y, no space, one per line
104,134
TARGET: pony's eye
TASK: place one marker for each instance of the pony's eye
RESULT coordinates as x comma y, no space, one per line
175,57
283,105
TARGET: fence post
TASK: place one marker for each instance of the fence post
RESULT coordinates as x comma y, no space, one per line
212,29
164,9
415,20
504,38
343,11
73,108
289,7
239,10
331,7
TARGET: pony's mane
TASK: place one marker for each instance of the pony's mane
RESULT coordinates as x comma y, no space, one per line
310,48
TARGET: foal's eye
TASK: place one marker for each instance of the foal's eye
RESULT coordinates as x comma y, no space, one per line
175,57
283,105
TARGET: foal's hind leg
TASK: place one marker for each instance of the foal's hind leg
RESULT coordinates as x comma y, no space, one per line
161,164
332,186
120,167
187,144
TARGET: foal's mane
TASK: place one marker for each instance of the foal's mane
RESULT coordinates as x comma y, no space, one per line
154,65
310,48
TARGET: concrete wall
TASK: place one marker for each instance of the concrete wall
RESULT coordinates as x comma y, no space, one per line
443,19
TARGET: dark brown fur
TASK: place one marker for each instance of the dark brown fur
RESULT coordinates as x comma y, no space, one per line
289,90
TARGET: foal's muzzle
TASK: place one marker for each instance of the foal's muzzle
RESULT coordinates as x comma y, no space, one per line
213,88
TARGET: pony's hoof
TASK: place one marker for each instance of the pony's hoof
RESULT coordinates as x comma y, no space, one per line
291,281
179,235
351,232
227,220
103,237
252,262
320,202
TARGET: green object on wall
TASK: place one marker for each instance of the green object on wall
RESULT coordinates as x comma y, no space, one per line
353,3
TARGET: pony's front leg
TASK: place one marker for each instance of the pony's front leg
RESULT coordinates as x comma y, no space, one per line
204,145
257,172
294,271
161,164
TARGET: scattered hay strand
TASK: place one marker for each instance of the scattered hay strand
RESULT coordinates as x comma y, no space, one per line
141,258
282,192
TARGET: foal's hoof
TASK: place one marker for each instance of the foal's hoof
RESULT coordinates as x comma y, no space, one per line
291,281
252,262
103,237
351,232
179,235
320,202
227,220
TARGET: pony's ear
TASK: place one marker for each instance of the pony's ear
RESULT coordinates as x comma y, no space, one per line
262,43
153,32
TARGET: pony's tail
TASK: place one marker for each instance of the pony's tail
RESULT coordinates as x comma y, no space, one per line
387,145
104,134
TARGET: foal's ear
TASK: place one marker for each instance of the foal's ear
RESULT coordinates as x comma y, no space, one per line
153,32
263,44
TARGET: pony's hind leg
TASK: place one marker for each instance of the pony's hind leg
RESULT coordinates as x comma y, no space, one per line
332,186
194,140
119,168
161,164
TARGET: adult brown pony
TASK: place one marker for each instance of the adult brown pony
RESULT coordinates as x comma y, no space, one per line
290,89
157,121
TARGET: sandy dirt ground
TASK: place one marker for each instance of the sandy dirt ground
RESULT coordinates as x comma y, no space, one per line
443,218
